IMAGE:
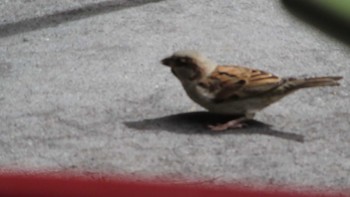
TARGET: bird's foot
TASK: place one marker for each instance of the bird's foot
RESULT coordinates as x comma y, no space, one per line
232,124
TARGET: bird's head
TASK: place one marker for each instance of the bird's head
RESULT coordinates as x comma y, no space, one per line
189,66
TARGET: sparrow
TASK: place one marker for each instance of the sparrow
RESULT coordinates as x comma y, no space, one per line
232,89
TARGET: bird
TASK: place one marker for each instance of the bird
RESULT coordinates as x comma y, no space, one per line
233,89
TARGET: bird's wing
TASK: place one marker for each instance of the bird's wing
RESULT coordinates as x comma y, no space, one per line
236,82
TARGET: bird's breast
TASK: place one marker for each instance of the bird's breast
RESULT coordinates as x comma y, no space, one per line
205,99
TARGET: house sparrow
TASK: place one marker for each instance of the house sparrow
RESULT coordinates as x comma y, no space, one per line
230,89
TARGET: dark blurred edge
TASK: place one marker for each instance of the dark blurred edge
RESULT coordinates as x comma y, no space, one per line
321,18
59,17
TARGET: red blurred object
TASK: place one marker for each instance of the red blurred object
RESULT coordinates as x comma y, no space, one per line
62,186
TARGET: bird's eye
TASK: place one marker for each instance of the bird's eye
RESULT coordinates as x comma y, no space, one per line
182,60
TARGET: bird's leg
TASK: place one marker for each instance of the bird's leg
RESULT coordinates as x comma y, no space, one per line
232,124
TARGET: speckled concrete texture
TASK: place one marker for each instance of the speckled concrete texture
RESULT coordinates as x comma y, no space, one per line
81,88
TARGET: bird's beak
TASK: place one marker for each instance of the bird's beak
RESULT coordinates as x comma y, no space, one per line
167,61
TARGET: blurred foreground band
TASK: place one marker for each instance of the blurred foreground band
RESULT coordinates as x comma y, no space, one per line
65,185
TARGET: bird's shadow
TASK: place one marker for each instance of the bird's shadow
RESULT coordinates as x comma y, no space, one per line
196,123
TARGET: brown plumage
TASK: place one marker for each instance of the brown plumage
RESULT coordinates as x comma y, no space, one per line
233,89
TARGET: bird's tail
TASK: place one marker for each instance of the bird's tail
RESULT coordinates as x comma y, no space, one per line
316,81
291,84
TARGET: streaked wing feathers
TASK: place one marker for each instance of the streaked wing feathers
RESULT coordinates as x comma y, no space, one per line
235,82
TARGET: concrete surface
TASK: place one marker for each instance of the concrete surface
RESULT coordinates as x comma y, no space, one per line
81,88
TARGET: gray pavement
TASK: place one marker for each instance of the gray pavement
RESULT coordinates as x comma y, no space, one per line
81,88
